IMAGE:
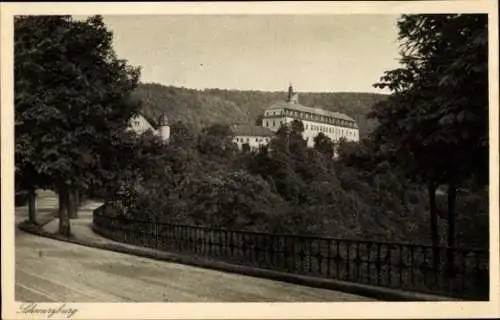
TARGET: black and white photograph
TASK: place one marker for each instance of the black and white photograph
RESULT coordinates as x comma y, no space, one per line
281,157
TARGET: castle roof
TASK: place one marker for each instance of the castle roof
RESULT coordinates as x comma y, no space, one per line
252,130
317,111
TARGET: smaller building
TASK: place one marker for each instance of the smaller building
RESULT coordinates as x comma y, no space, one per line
251,137
139,124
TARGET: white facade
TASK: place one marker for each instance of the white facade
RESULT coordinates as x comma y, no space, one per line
254,142
252,136
164,132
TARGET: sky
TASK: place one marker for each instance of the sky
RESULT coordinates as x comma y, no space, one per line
316,53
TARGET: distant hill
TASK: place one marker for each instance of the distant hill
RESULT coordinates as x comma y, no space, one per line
199,108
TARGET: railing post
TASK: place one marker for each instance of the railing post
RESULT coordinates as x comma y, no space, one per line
285,253
412,261
389,264
378,264
401,266
425,271
319,258
348,262
310,254
358,260
157,234
338,258
329,258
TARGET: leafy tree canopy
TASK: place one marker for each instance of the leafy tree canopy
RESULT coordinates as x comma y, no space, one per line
71,96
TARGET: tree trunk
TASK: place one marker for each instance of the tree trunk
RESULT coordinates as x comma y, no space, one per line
64,224
452,196
72,205
82,195
77,198
434,224
32,206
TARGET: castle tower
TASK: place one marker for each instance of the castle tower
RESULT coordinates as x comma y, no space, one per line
293,98
164,128
290,93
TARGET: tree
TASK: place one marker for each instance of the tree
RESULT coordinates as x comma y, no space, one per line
182,134
324,144
436,120
259,120
215,143
72,92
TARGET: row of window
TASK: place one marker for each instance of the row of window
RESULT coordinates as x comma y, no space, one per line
266,140
248,140
310,116
316,128
329,130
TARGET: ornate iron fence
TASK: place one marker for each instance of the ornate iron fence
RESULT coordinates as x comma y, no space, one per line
418,268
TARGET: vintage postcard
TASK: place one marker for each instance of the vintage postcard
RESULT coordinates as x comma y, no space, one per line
256,160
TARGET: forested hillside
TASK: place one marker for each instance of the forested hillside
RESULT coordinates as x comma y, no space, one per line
199,108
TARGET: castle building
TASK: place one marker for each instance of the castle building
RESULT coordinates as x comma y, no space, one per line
334,125
139,124
251,137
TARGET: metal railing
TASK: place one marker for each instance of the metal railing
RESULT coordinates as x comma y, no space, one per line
412,267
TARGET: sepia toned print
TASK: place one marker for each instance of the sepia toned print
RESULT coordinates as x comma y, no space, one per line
250,158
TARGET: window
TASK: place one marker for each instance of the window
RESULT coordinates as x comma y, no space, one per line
274,123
